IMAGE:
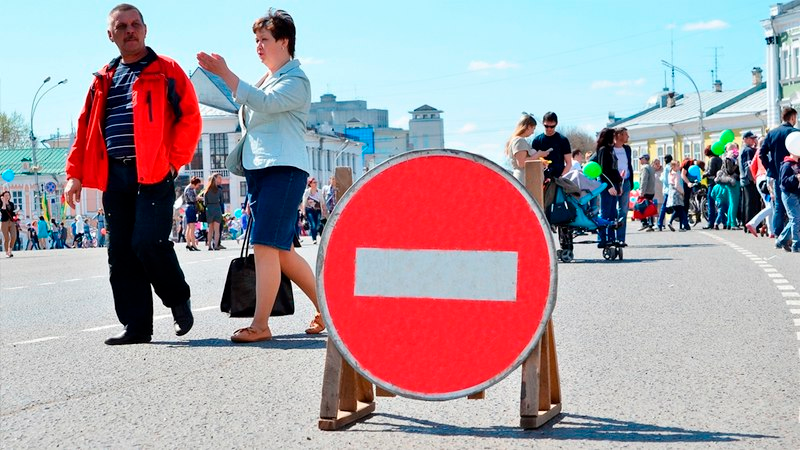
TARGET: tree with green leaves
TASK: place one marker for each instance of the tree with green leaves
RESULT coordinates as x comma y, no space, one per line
13,131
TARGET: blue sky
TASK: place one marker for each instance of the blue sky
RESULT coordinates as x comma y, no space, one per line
482,63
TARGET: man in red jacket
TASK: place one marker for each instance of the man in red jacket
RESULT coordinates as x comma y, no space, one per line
140,123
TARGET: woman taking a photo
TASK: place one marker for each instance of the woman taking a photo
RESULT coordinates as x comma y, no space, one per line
274,162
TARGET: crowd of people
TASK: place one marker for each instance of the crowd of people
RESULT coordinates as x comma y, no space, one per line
22,233
755,190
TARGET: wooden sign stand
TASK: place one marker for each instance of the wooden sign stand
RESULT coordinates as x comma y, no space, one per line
348,397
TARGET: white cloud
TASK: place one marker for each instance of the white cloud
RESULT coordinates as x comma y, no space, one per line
400,123
467,128
715,24
310,61
605,84
483,65
670,26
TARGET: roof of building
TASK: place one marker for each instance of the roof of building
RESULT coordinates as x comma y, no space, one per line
51,160
426,108
687,107
220,85
210,111
752,104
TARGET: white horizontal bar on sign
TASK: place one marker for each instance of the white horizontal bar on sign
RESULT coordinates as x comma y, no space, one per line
441,274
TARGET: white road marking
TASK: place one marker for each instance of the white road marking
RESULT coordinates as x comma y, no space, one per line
14,288
780,280
439,274
775,275
205,308
794,311
72,279
33,341
104,327
792,302
162,316
785,287
46,284
797,322
98,276
770,270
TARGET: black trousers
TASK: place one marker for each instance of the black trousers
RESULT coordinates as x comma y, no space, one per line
751,201
140,252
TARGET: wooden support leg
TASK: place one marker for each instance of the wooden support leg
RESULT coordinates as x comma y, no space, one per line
342,392
381,392
477,396
540,399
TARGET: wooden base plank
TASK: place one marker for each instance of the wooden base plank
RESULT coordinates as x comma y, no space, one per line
345,418
477,396
533,422
381,392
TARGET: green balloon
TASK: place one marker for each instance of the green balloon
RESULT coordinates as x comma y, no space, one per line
592,170
718,148
635,185
726,137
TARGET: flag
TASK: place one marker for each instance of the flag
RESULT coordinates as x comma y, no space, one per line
45,208
63,207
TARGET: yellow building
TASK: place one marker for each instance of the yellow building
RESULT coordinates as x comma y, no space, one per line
671,124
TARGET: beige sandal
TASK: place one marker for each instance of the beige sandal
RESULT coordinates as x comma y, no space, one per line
250,334
316,326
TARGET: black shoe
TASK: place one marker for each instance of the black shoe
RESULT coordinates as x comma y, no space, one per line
786,246
183,318
621,244
126,338
671,228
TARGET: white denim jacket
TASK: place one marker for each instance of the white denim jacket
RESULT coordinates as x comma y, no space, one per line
273,118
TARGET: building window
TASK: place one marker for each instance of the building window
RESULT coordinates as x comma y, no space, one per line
785,64
328,157
19,201
243,188
697,154
219,150
197,159
796,62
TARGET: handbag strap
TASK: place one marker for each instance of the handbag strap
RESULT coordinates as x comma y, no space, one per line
246,241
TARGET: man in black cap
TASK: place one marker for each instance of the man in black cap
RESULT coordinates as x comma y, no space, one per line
751,201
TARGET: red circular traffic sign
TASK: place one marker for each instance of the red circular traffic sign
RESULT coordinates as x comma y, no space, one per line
436,274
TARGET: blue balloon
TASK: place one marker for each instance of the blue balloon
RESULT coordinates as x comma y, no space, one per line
8,175
695,172
238,213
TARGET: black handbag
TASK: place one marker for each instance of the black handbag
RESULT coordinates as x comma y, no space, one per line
239,294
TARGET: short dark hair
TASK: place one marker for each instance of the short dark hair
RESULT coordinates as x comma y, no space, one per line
667,159
280,24
619,130
127,7
195,180
708,151
787,113
550,116
576,152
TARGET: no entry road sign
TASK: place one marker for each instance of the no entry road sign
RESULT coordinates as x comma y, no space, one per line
436,274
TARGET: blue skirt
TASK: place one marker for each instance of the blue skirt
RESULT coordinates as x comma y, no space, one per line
275,196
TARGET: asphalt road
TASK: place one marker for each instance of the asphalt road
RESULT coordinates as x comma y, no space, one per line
692,341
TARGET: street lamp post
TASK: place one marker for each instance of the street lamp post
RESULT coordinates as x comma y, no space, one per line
34,104
699,100
340,151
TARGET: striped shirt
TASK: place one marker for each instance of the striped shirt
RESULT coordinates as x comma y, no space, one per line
119,108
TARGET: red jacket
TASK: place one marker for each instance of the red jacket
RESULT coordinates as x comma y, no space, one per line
166,125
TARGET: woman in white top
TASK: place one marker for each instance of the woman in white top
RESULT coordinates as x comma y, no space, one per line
518,150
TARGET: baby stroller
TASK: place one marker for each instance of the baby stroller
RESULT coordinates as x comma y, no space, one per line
572,213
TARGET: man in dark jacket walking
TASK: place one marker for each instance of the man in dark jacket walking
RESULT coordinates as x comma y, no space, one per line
751,199
772,155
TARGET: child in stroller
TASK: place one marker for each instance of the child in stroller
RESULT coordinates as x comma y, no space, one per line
572,210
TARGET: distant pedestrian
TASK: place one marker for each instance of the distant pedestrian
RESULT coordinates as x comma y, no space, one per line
100,224
7,223
211,196
577,159
190,209
789,178
647,186
665,188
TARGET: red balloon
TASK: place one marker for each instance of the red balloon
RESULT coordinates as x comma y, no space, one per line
103,231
